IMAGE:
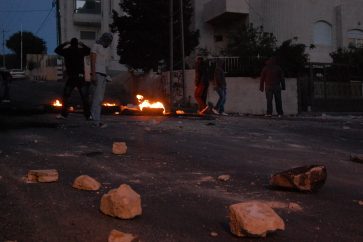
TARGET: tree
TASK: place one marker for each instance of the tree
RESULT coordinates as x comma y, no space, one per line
292,57
253,46
348,61
31,44
144,32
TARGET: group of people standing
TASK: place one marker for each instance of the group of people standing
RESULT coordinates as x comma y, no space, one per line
207,71
272,81
74,53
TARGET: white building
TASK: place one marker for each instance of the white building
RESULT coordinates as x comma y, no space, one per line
328,24
87,20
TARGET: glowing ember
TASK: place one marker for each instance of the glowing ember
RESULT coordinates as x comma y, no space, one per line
57,103
109,104
146,103
180,112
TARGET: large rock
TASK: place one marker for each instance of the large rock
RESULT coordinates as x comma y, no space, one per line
253,219
85,182
118,236
122,202
306,178
119,148
42,176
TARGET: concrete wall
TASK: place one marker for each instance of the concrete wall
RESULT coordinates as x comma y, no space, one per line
243,95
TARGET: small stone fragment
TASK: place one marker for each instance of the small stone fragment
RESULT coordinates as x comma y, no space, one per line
85,182
253,219
224,178
306,178
118,236
214,234
295,207
122,202
119,148
360,203
357,158
42,176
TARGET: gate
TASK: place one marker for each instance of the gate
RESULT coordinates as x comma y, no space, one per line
331,88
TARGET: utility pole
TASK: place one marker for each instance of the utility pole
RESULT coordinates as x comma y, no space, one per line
171,40
3,32
182,47
21,47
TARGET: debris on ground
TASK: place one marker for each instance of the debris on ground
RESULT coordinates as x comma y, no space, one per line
253,219
356,158
290,206
224,178
214,234
85,182
122,202
360,203
118,236
306,178
35,176
119,148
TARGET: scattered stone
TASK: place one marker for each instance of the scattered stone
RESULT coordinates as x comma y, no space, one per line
119,148
122,202
253,219
224,178
42,176
346,127
214,234
360,203
118,236
295,207
85,182
147,129
306,178
356,158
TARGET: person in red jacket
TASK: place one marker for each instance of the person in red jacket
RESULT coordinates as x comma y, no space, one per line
272,81
201,84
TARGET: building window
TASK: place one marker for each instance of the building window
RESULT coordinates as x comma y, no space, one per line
322,33
355,38
88,6
88,35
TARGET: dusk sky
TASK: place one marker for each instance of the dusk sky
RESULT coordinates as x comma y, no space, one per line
32,15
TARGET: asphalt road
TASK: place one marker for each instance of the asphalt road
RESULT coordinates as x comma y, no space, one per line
173,163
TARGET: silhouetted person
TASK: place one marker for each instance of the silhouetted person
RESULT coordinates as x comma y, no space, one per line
100,57
201,84
220,86
5,79
272,81
74,53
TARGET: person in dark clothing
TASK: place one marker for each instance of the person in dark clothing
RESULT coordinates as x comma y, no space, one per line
272,81
74,53
5,79
220,86
201,84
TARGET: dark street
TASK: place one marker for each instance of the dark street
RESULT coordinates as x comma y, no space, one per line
173,163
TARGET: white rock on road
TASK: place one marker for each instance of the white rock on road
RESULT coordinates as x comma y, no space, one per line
85,182
118,236
42,176
253,219
122,202
119,148
224,177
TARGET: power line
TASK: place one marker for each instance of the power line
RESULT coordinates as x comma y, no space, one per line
44,20
24,11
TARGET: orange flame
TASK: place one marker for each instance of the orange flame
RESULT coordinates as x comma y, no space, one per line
180,112
109,104
146,103
57,103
